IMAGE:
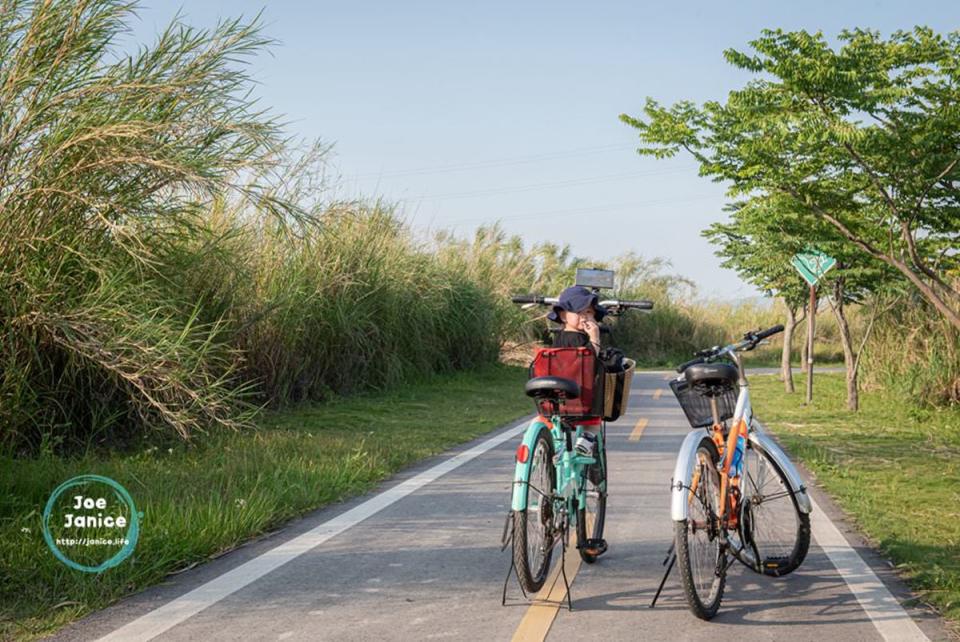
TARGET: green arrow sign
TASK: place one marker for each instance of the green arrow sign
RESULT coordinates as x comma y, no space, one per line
812,264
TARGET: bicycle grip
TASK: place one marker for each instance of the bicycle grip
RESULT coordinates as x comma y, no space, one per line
769,332
643,304
527,298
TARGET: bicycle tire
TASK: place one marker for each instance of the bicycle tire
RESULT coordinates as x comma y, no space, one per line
599,513
776,558
702,585
537,516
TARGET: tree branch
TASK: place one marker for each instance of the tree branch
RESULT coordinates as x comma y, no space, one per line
918,261
933,184
931,295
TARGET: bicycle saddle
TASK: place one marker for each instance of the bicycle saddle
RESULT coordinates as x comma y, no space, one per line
552,388
711,377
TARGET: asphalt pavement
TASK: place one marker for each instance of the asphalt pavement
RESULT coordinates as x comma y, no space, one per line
420,559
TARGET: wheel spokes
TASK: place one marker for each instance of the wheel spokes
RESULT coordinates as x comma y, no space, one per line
704,545
773,518
539,514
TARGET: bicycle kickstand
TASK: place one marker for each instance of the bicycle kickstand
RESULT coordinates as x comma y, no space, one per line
506,581
506,540
563,570
671,558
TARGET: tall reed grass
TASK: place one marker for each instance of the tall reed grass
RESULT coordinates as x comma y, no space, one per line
171,263
914,353
105,160
163,262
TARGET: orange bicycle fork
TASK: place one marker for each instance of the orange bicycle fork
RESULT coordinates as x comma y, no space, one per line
729,500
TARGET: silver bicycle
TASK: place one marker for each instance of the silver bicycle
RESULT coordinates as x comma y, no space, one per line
734,493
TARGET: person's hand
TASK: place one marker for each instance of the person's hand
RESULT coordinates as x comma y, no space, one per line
592,328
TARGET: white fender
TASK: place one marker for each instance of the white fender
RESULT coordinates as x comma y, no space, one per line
682,475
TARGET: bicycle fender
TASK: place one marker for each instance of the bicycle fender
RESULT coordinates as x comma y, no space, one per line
522,473
762,439
682,472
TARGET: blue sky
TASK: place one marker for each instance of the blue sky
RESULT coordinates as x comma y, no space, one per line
472,112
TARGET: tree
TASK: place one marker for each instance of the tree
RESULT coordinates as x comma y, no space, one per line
759,240
864,138
758,252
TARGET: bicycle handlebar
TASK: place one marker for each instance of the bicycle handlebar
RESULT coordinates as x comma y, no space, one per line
750,341
613,304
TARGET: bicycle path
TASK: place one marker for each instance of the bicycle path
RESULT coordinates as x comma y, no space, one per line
419,559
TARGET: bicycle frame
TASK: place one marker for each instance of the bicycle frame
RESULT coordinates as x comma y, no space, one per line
742,424
569,464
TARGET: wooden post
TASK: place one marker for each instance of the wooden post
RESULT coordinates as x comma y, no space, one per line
811,316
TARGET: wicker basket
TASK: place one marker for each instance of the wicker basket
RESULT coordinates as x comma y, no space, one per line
616,390
697,407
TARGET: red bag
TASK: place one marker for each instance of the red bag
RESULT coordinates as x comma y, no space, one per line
576,364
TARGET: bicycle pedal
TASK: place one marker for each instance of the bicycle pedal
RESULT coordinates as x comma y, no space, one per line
595,547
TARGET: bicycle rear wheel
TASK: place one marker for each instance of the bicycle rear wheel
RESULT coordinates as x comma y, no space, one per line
590,518
533,527
700,556
772,522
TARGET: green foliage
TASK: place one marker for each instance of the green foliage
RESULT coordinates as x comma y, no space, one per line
349,304
104,158
862,138
241,484
167,260
894,468
913,352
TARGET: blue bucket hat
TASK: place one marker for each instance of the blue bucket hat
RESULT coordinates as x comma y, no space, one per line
576,299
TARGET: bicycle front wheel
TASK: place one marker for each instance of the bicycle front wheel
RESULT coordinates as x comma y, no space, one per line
772,521
590,518
533,527
700,556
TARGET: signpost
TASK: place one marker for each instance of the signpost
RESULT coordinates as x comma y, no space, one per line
812,264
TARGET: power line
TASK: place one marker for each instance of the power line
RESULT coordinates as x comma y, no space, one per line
557,184
581,210
502,162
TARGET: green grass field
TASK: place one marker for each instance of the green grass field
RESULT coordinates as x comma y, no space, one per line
893,467
204,499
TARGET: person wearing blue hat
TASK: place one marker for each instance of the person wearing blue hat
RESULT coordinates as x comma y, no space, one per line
578,310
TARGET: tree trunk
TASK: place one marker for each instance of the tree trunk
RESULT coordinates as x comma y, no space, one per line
803,356
850,360
811,334
785,368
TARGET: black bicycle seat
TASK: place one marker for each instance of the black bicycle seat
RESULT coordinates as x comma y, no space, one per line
711,376
552,388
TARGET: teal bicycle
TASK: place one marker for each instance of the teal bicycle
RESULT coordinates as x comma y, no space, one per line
560,480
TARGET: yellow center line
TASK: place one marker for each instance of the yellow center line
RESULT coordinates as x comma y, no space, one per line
539,617
638,429
657,393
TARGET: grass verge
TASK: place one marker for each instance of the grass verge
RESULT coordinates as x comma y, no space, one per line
202,499
894,468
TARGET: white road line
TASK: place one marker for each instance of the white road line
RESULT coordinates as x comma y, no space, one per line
152,624
889,618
